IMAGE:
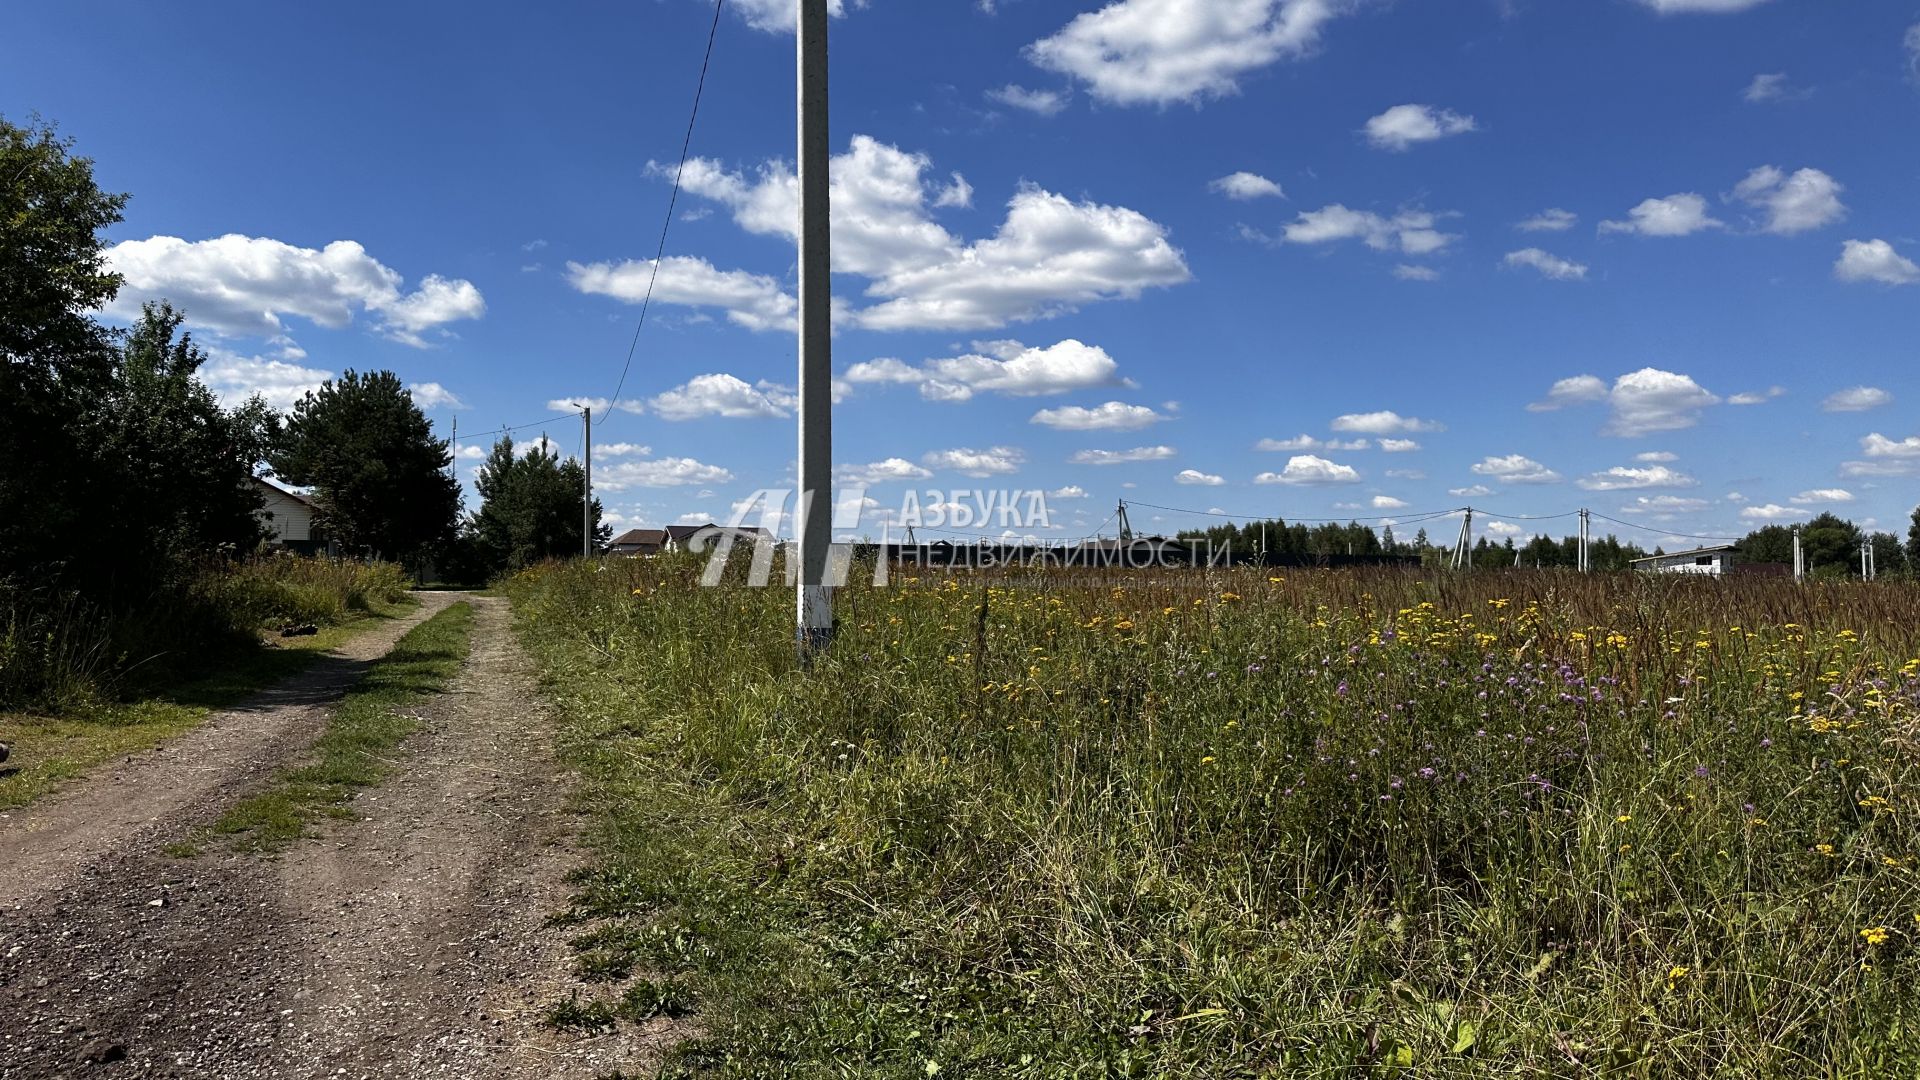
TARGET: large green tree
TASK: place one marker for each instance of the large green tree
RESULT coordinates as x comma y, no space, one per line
1832,544
1913,540
530,506
56,362
180,462
381,479
1768,544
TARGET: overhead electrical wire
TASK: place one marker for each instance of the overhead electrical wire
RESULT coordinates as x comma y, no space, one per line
1415,519
686,145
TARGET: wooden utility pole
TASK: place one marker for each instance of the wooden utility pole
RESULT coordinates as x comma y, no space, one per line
813,525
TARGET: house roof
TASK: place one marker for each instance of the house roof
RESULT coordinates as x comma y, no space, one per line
641,536
680,533
1717,549
278,490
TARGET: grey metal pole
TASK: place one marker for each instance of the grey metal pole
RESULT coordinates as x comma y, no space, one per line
813,525
586,491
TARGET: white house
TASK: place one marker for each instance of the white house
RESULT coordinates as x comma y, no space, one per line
1710,561
288,518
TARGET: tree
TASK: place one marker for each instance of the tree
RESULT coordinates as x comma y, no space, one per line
530,506
1888,556
381,479
55,360
53,268
1913,540
1768,544
1831,541
181,462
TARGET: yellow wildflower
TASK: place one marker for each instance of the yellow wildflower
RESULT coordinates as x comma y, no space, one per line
1875,935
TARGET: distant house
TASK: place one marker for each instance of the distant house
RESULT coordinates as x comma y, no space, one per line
288,518
638,542
1710,561
703,537
678,538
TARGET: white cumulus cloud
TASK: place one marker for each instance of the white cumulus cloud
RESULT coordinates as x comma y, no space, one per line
1554,220
891,470
431,395
1000,367
1675,215
1550,266
1050,254
754,301
1245,185
1856,399
1875,260
993,461
1122,457
1774,86
249,285
1111,416
1038,102
1622,478
1642,402
659,473
1516,469
1308,442
1160,52
1308,469
280,383
1877,445
724,396
1196,477
1822,496
1412,232
777,16
1806,200
1402,126
1680,7
1384,422
1771,512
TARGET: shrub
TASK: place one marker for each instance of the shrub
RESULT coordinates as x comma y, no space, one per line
59,651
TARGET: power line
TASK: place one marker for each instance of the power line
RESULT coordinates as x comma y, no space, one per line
519,427
1414,519
1662,532
1390,519
686,144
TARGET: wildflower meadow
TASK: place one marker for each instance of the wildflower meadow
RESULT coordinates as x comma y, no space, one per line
1247,823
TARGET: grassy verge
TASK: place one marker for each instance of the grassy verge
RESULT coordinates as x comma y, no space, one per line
351,754
50,750
1242,825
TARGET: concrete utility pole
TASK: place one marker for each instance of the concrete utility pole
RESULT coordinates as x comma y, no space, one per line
586,490
1586,532
1799,557
1463,547
813,527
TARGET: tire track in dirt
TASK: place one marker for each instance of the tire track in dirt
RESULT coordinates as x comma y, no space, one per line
409,943
142,801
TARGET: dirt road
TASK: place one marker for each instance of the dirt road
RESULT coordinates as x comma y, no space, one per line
408,943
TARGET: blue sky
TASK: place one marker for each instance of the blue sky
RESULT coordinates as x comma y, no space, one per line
1652,257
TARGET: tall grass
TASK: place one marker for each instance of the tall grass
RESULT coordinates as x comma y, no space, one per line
1243,824
61,652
